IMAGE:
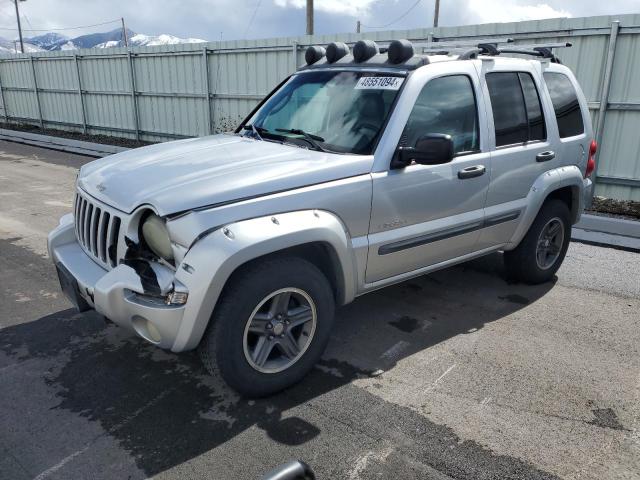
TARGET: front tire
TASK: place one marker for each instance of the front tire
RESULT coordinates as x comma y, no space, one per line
271,325
540,253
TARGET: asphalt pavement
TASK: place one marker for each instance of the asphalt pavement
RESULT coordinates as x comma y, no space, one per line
458,374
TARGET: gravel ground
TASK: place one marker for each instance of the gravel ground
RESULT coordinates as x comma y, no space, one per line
104,139
627,209
453,375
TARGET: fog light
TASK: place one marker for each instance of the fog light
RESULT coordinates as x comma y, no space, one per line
146,329
176,298
154,333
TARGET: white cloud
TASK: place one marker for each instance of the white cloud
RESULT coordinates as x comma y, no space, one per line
491,11
228,19
353,7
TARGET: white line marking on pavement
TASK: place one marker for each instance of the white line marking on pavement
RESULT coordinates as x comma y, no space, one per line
396,350
362,462
118,426
634,435
441,376
63,462
58,203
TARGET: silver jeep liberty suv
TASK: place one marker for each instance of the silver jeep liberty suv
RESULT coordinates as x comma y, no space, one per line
362,169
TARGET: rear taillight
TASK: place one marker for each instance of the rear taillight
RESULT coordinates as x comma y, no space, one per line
591,161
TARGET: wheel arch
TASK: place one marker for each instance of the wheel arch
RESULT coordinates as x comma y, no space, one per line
317,236
564,183
321,254
570,195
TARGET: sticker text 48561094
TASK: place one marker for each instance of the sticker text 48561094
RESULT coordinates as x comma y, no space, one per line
379,83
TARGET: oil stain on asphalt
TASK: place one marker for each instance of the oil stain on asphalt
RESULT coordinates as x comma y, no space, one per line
515,298
606,418
406,324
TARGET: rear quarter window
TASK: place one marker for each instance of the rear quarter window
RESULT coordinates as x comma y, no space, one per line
565,104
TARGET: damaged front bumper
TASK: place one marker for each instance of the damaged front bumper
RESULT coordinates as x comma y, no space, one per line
142,296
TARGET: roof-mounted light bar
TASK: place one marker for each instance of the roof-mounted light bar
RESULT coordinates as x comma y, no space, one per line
398,51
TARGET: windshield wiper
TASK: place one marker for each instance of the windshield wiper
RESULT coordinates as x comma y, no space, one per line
309,137
256,130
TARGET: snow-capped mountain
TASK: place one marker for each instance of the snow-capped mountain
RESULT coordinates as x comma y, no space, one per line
54,41
142,40
9,46
47,41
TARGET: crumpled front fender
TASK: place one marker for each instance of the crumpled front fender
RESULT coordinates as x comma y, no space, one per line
212,259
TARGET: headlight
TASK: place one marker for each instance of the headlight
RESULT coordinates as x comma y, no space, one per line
156,235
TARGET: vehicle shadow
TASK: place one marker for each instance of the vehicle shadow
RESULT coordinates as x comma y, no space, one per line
163,409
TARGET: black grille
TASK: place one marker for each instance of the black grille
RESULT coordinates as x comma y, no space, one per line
97,230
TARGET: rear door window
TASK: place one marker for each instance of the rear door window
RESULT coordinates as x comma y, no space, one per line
565,103
507,103
517,111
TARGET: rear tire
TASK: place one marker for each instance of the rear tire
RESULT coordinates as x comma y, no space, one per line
270,326
540,253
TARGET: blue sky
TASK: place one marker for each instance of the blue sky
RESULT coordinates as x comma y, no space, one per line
211,19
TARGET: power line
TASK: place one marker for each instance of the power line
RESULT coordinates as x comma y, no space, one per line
59,29
26,19
397,19
253,16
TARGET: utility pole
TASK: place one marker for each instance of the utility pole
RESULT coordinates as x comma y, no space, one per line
19,26
124,33
436,14
358,26
309,17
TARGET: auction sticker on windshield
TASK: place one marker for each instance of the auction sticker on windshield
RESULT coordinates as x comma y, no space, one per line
379,83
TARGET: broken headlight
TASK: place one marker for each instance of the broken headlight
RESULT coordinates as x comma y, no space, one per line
156,236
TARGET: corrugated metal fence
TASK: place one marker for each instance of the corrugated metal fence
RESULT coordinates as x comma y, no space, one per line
175,91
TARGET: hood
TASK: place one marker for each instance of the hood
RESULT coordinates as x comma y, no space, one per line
186,174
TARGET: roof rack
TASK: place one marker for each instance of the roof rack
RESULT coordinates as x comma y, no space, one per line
544,50
443,48
453,44
493,48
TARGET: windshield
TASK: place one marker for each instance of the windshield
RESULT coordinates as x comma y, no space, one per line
341,112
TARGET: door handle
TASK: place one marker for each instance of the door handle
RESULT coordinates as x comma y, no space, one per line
471,172
545,156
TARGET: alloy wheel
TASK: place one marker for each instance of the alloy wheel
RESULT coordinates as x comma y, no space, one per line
279,330
550,243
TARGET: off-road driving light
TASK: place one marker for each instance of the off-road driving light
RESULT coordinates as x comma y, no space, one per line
363,50
336,50
400,51
156,235
313,54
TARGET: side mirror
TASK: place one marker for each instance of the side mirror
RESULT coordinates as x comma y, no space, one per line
431,149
